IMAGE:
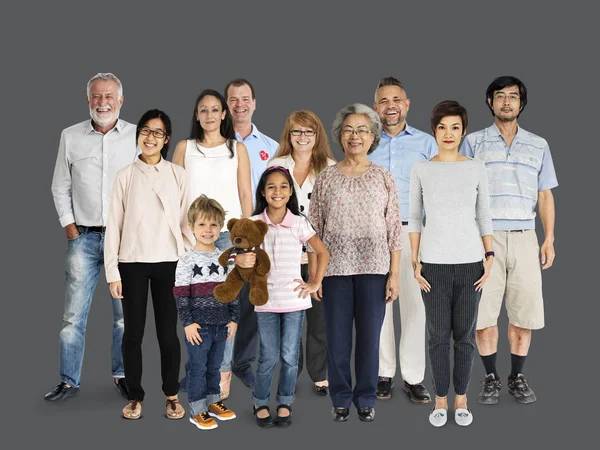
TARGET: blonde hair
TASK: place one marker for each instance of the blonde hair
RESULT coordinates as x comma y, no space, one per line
321,151
206,207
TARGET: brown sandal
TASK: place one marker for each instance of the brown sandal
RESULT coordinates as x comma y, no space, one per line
133,410
174,409
224,386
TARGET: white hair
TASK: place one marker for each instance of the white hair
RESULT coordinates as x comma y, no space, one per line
357,108
105,77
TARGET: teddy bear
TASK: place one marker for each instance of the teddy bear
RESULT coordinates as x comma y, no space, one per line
246,236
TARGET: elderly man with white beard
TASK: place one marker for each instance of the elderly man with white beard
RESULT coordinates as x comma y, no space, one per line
400,147
90,153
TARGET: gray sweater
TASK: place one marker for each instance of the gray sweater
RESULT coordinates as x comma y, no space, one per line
457,204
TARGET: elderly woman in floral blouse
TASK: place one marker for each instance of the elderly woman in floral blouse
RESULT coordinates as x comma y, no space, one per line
355,211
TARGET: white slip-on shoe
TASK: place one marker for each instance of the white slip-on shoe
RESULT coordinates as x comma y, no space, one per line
438,417
463,417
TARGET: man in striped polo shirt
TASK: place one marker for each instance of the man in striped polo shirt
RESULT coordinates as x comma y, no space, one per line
521,175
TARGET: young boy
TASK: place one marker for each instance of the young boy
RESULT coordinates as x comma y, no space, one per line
208,323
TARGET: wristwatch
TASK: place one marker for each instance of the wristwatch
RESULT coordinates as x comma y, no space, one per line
487,254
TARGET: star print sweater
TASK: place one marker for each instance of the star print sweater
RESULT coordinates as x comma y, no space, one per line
196,277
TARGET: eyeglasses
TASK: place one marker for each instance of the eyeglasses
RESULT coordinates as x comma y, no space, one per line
501,96
307,133
158,134
362,132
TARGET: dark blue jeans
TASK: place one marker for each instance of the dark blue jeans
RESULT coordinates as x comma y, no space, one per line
357,300
202,367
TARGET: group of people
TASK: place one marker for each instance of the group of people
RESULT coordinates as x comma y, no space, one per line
449,230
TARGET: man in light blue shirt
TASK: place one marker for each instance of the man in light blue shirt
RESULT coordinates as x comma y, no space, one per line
521,175
242,104
241,100
400,147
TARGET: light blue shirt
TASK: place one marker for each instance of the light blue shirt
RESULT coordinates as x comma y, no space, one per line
260,148
398,154
546,176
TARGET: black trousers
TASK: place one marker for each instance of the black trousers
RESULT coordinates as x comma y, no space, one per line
245,345
353,301
160,277
316,339
451,312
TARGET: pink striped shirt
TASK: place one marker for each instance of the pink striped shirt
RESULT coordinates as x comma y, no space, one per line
283,244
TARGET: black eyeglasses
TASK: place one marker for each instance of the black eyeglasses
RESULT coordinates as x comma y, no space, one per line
158,134
307,133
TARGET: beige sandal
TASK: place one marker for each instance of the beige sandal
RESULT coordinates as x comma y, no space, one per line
174,409
133,410
225,385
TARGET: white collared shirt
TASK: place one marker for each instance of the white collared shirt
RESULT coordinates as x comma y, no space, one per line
85,169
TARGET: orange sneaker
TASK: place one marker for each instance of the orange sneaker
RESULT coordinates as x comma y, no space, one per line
204,421
220,411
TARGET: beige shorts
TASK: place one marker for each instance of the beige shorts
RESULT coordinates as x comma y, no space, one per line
516,276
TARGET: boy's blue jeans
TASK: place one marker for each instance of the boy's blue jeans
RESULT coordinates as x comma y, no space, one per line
202,367
279,340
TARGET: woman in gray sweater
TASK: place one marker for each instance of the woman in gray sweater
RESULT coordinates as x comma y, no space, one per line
452,255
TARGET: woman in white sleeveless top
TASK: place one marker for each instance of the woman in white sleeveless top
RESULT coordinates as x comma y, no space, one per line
217,166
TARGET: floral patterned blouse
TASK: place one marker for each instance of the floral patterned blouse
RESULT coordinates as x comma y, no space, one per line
358,220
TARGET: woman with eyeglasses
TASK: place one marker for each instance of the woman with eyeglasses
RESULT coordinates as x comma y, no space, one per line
217,166
304,151
146,233
356,213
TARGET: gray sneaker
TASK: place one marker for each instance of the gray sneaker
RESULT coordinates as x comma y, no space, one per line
518,387
490,391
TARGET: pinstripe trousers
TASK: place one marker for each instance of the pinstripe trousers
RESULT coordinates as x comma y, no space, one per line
451,312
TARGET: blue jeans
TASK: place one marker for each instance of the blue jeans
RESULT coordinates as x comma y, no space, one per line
85,257
224,243
279,340
202,367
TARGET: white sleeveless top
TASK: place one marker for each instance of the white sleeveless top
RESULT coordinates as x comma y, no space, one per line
213,172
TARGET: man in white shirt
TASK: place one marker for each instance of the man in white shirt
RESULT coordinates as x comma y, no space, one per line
90,154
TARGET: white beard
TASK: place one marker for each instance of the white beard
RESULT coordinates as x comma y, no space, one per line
105,120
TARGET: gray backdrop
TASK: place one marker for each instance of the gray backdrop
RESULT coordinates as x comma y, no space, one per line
318,56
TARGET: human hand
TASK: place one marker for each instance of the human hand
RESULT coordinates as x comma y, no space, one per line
192,334
116,289
391,288
423,283
232,330
245,260
72,231
547,254
487,267
306,288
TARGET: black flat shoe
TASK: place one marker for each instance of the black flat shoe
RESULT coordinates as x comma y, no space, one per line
284,422
340,414
61,392
321,390
366,414
417,393
266,422
121,385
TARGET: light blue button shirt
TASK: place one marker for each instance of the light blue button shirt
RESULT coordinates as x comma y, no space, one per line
546,178
260,148
398,154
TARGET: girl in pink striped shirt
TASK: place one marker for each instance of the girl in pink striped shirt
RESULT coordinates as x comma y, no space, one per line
280,319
